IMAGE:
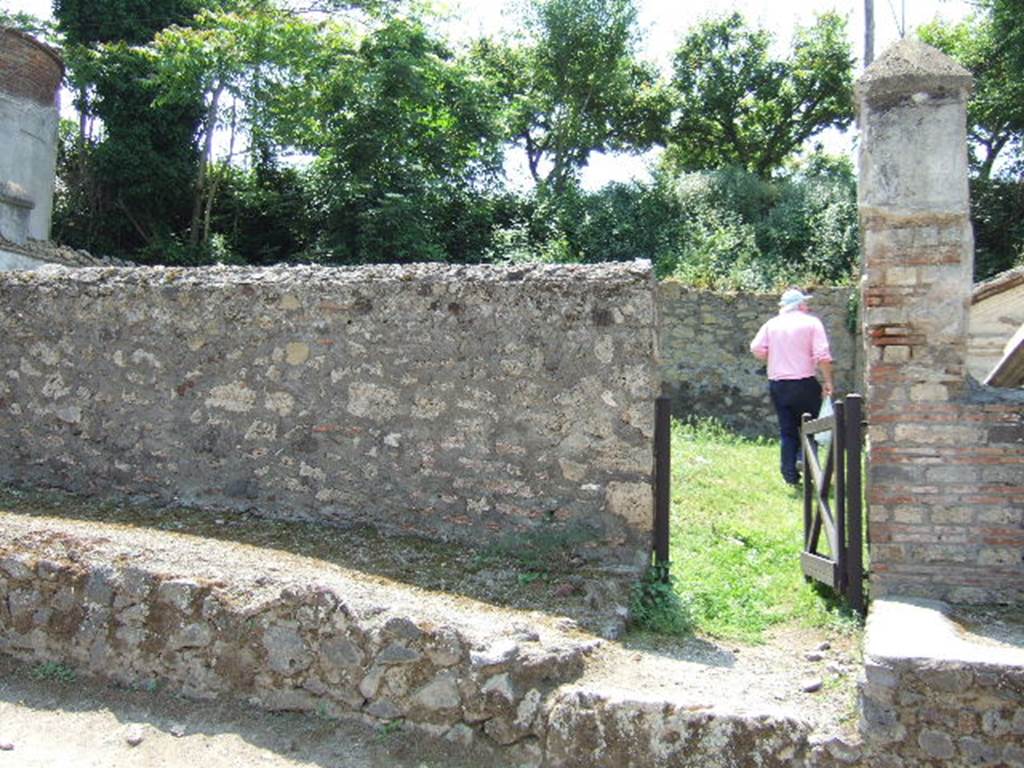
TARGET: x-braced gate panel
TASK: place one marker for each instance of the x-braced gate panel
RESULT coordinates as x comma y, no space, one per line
841,567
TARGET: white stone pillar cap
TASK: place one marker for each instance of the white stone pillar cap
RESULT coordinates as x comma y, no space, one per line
910,67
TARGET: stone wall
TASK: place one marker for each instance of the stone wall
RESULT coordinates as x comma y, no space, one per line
214,619
30,76
211,620
946,468
706,365
459,402
932,694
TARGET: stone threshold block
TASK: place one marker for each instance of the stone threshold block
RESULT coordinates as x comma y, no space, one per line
941,691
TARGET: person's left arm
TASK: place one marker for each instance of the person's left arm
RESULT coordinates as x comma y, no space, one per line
759,346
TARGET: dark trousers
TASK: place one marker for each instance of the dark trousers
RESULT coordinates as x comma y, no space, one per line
792,398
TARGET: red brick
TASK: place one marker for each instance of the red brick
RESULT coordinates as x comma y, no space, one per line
29,69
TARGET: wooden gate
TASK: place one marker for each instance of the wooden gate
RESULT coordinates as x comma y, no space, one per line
841,567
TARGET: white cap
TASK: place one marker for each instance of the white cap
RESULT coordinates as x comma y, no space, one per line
792,299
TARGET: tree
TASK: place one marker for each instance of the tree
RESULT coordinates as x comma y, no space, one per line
132,156
404,133
245,57
133,170
739,230
26,22
995,113
1008,28
574,87
735,105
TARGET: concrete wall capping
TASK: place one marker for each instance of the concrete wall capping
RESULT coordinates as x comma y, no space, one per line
934,692
911,68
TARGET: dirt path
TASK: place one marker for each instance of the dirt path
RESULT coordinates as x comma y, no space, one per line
87,724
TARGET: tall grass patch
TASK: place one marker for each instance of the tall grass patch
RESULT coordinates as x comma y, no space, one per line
736,537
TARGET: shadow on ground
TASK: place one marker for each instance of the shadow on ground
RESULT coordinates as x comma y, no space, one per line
94,721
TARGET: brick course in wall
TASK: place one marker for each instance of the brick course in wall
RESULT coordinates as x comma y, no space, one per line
28,69
468,403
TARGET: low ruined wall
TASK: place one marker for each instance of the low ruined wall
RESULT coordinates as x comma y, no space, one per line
213,619
461,402
706,365
931,696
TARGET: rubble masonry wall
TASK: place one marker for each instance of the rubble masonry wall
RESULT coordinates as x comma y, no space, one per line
466,403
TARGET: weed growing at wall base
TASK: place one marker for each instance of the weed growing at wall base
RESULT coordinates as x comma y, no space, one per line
736,538
55,671
657,606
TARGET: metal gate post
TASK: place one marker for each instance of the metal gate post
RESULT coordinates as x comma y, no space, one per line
662,481
808,486
839,467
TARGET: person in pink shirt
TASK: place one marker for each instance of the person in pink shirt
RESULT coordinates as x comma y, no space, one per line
794,344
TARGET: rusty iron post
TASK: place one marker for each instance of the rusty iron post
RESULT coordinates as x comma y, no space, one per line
662,481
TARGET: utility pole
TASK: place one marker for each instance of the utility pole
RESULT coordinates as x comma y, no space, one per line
869,32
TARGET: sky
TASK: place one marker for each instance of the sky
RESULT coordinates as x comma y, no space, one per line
663,22
662,25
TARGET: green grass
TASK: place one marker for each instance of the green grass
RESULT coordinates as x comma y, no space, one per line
736,535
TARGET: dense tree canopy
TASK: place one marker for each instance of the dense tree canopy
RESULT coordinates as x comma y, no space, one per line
736,105
254,131
402,131
574,87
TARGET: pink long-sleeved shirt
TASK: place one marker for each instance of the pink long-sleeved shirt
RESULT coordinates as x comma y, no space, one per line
793,343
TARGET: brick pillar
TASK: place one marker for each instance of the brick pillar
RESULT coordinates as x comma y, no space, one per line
918,259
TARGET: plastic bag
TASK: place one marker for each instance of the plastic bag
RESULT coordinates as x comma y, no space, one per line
824,438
